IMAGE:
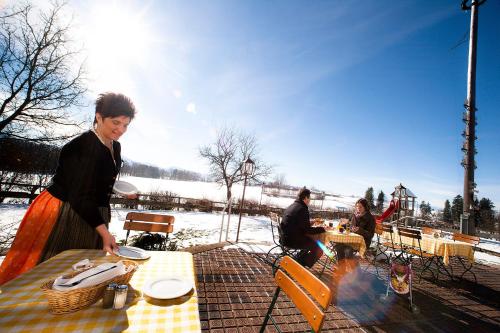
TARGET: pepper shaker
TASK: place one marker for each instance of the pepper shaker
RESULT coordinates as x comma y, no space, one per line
109,296
120,296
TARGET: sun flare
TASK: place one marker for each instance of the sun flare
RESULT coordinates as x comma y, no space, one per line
118,39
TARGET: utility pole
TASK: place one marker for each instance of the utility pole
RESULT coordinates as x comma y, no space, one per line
469,117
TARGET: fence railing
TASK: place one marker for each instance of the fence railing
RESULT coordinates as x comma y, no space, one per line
168,202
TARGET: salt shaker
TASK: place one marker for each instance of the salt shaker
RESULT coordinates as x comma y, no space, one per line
109,296
120,296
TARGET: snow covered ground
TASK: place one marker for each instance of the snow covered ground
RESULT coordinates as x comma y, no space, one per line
205,228
215,192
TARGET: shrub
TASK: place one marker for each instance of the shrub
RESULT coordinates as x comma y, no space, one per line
189,205
7,235
160,200
251,205
205,205
153,242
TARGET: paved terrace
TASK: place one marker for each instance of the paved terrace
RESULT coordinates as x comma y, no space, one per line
235,288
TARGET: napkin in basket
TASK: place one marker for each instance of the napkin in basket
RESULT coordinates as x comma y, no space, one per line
120,269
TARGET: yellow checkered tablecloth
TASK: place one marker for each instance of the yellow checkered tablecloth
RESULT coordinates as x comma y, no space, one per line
352,239
24,308
442,247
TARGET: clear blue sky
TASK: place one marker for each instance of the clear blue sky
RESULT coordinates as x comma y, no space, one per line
341,95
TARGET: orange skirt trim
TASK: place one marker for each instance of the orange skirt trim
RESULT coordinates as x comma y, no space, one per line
31,237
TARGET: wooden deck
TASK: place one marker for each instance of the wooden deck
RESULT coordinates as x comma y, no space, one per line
235,288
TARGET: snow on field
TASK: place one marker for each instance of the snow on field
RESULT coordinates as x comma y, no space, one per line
205,228
215,192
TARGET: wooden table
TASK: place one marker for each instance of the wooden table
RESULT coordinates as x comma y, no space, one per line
442,247
24,308
352,239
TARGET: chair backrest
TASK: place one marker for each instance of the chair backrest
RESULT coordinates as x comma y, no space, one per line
149,222
274,217
430,231
275,227
316,288
474,240
275,223
387,228
410,233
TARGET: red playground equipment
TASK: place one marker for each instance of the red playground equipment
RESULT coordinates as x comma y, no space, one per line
393,206
402,205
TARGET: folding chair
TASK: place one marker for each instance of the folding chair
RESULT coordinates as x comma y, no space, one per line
439,259
391,244
474,240
410,251
379,248
319,292
278,241
150,223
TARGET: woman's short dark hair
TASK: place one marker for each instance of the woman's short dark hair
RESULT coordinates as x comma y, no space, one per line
303,193
364,203
114,105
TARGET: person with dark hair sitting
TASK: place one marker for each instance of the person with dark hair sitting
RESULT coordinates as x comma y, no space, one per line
296,229
362,223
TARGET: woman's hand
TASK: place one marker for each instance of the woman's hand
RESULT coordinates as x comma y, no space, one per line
354,229
109,244
108,240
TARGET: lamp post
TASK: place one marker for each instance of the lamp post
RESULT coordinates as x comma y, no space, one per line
247,169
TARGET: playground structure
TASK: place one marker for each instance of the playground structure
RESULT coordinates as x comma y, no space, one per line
401,207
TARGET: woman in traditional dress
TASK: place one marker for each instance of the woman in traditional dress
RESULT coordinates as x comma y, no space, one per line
74,212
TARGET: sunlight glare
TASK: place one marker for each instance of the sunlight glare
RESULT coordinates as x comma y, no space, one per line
118,40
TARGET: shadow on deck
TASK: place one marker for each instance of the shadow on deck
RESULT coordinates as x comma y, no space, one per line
235,288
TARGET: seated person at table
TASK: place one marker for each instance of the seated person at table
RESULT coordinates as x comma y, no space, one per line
362,223
296,229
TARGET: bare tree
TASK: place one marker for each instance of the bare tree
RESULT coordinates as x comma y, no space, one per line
225,155
41,78
279,180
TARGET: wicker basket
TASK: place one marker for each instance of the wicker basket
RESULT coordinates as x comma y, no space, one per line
61,302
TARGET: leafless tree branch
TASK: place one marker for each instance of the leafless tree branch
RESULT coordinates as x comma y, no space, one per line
224,157
41,79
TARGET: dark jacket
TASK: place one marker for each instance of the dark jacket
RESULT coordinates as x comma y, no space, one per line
366,224
85,176
295,224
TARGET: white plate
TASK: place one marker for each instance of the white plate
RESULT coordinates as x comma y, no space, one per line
131,252
124,188
167,287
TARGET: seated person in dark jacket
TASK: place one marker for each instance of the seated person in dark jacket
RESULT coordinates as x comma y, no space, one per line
362,223
296,228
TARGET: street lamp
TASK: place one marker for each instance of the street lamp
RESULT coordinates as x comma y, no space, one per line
247,169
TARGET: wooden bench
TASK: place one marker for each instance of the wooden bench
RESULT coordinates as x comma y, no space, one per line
149,222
